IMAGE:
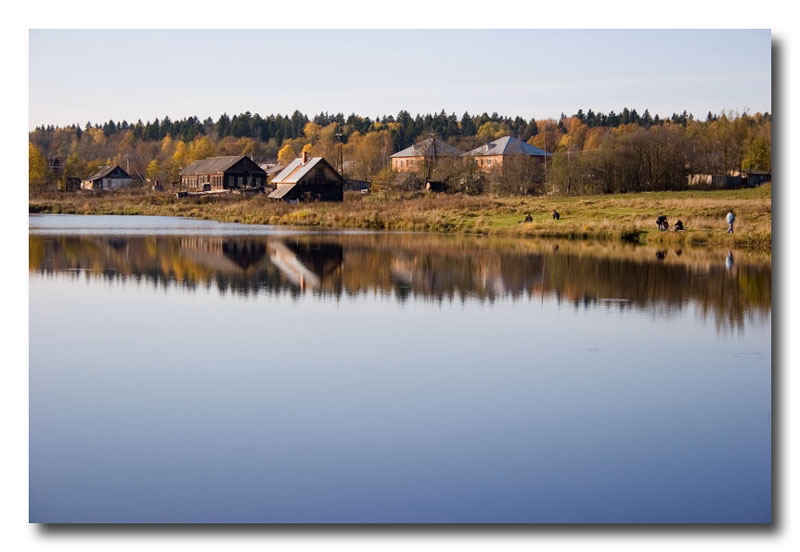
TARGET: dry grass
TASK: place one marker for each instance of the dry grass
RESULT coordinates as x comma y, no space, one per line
627,217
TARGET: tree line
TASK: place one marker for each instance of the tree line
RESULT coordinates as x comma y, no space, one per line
592,151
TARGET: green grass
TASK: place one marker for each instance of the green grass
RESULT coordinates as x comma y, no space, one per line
626,217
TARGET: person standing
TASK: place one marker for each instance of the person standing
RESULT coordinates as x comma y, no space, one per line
730,218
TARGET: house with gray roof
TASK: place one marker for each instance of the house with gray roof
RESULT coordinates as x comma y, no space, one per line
308,179
491,156
108,177
224,172
412,158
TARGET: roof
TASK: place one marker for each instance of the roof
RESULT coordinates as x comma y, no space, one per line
425,148
280,191
508,145
271,168
296,170
102,172
212,165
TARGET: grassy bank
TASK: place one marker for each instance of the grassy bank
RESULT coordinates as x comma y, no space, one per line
626,217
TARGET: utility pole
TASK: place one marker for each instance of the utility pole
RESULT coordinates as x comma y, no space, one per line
431,163
545,156
339,137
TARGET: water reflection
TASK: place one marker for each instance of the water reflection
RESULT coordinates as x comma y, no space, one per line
436,268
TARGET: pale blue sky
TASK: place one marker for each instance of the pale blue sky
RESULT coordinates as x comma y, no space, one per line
77,76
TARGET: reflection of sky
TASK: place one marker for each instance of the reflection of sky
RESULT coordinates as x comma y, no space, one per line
154,405
110,225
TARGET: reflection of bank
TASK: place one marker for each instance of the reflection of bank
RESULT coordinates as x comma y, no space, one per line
306,264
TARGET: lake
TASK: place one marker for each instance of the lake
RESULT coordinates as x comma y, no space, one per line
193,371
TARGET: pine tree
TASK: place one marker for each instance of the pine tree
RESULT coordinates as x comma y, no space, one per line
467,125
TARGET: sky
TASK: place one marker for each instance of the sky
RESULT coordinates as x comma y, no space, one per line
97,75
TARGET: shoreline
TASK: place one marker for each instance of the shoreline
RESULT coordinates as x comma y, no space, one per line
624,217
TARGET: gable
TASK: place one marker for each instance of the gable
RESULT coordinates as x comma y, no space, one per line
246,165
322,172
117,173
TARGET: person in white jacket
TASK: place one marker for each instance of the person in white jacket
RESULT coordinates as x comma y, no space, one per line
730,218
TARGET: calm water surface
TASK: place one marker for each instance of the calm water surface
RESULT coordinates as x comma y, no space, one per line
190,371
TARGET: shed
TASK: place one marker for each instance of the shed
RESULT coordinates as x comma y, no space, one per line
756,178
224,172
307,179
72,184
108,177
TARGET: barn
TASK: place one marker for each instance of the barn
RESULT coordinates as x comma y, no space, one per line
107,178
308,179
225,172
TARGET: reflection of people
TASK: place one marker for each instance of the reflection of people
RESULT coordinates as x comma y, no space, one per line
730,218
556,215
729,260
661,254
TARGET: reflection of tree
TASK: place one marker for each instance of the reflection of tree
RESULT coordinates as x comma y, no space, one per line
429,267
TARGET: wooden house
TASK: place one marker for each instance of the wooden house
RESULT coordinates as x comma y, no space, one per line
226,172
413,157
308,179
109,177
491,156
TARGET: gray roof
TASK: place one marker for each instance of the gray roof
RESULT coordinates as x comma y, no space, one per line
508,145
280,191
212,165
271,168
104,171
425,148
296,170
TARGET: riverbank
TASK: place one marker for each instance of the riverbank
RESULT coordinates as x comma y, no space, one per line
624,217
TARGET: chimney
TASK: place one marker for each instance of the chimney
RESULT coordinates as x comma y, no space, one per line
304,157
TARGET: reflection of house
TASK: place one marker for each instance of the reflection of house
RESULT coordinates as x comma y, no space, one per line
307,179
306,263
413,157
224,172
245,253
225,255
492,155
107,178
